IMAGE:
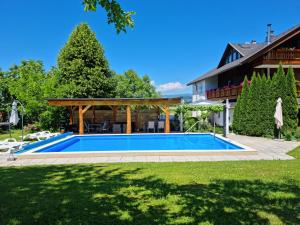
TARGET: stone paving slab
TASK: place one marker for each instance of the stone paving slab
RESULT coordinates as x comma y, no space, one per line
267,149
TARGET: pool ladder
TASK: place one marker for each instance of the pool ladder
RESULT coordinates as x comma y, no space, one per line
187,131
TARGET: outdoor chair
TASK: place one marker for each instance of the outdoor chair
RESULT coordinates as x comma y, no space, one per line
116,128
151,126
87,126
161,126
105,127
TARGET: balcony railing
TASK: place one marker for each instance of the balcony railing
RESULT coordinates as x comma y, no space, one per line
283,54
233,92
224,93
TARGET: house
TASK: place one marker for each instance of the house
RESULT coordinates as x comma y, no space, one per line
225,81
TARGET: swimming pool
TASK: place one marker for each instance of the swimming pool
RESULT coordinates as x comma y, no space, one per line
140,143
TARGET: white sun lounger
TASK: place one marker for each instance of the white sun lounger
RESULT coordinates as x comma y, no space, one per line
11,145
40,135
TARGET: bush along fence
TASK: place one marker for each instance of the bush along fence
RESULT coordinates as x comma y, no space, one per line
254,111
204,113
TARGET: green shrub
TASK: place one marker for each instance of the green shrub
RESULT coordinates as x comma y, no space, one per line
288,136
189,122
254,111
297,133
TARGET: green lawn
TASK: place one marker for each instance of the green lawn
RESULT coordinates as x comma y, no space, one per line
15,133
254,192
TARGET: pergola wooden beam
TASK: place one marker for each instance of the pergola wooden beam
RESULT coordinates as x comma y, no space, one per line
112,101
84,104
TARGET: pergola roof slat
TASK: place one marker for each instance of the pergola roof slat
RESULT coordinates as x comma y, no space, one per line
112,101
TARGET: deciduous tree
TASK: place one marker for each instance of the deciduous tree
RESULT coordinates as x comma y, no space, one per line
82,62
26,83
115,14
130,85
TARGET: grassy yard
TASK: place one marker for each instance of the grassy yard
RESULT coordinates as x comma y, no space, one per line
15,133
254,192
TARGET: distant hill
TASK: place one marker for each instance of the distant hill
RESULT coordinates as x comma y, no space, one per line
186,97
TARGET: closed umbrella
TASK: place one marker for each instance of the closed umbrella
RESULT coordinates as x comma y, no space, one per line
278,115
14,117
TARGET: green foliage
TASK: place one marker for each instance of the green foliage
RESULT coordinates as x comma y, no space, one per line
205,113
236,116
290,103
5,96
25,83
186,108
82,62
241,116
254,112
266,110
31,85
130,85
115,14
82,71
253,106
51,118
279,83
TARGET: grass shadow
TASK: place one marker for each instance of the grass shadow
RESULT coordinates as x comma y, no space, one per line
95,194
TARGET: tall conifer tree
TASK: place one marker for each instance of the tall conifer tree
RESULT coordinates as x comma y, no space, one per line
236,116
253,124
270,96
290,102
243,107
279,83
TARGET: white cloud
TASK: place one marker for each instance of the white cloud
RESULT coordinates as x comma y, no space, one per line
171,86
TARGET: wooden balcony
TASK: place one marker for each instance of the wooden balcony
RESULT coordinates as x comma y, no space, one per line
224,93
285,56
232,92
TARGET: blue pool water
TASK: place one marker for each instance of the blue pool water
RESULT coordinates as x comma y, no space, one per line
161,142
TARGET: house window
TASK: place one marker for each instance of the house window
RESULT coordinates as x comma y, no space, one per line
201,89
232,56
196,89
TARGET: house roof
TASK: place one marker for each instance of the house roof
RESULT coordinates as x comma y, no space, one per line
249,52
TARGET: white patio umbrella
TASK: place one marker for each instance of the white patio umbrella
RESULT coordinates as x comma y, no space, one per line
14,117
278,115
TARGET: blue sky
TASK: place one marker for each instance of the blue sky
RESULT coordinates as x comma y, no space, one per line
173,41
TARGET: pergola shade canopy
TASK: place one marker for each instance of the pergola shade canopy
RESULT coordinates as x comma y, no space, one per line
112,101
84,104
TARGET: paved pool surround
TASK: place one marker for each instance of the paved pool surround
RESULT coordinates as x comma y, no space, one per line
266,149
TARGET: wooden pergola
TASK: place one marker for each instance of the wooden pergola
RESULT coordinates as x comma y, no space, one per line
84,104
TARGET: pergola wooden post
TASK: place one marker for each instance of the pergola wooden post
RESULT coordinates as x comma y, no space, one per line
136,119
166,110
128,113
84,104
115,112
81,117
71,121
81,123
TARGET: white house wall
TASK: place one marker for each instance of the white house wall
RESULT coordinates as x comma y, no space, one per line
200,88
